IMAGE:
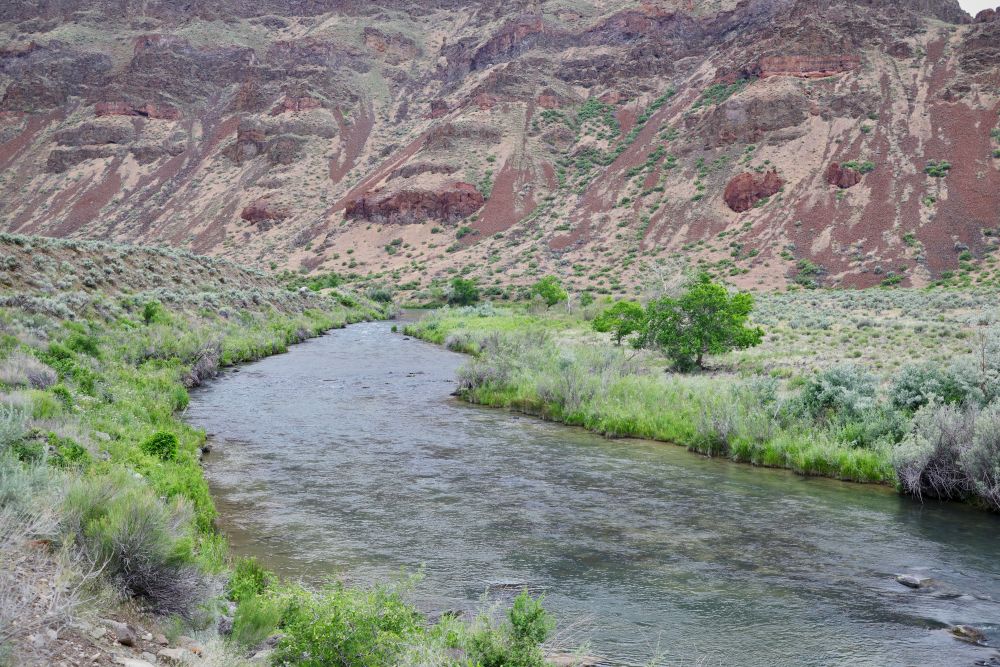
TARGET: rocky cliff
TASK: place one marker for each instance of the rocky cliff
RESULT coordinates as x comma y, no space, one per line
600,142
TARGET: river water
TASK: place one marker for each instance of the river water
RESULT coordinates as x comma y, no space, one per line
347,457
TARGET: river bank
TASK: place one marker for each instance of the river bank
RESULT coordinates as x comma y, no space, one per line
839,420
353,461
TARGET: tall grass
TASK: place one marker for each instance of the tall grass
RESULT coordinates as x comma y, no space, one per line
610,391
90,389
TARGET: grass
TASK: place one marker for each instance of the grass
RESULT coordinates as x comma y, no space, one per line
96,461
91,384
752,407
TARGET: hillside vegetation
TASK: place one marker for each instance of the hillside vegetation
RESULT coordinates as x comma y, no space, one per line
106,521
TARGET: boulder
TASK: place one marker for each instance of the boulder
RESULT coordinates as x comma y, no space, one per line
842,177
913,581
173,656
744,191
967,633
123,633
264,209
131,662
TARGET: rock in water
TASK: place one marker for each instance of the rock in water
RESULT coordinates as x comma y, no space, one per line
967,633
913,581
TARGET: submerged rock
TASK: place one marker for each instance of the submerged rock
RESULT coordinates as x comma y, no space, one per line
913,581
967,633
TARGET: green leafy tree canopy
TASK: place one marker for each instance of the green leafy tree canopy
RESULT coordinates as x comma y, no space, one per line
550,290
463,292
705,320
621,320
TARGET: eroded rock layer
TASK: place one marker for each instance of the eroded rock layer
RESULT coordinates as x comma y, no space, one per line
566,138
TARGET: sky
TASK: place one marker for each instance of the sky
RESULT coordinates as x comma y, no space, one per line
975,6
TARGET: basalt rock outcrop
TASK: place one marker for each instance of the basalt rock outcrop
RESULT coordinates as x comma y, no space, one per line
263,209
450,203
747,189
809,67
147,110
988,15
842,177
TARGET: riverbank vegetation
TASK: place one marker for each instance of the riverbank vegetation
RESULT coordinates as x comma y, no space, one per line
104,510
896,387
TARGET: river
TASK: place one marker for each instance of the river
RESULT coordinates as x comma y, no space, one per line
347,457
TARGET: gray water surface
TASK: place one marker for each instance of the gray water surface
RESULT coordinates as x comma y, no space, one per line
347,457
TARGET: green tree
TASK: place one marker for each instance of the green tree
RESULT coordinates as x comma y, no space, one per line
463,292
706,319
622,320
550,290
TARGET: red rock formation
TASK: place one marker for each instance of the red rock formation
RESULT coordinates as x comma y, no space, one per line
612,97
809,67
264,209
295,104
900,50
988,15
842,177
148,110
249,131
515,35
744,191
451,203
439,108
485,101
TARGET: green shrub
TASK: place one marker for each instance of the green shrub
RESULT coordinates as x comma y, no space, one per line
162,445
66,452
347,627
937,169
463,292
621,320
847,392
153,312
517,642
81,342
142,545
916,385
249,578
257,618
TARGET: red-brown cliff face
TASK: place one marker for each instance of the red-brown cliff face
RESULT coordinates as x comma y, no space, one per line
746,190
810,67
570,138
450,203
148,110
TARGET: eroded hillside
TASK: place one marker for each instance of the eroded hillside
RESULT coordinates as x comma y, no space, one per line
842,142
